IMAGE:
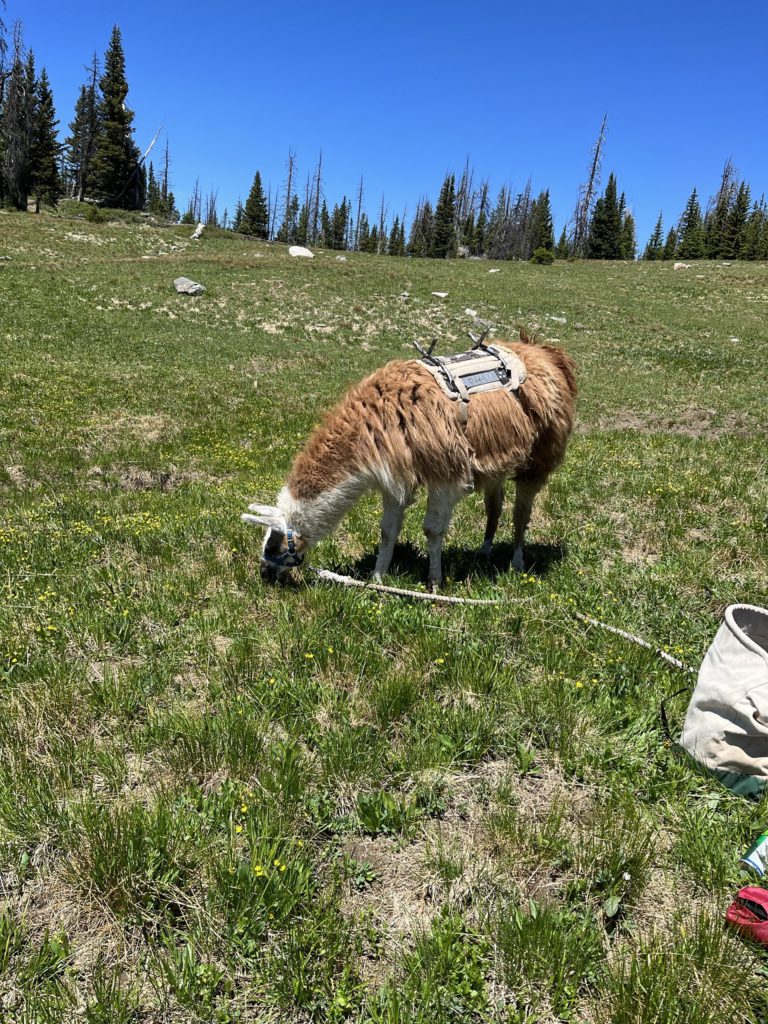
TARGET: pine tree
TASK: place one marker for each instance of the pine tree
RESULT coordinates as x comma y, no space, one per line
604,242
477,242
338,226
393,246
45,148
444,234
255,218
655,246
115,160
716,222
737,222
362,233
690,231
562,249
238,217
628,247
422,229
372,242
670,245
302,225
81,143
755,231
542,229
15,140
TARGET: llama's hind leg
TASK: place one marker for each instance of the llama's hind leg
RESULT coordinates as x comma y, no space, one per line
494,502
441,501
391,525
525,495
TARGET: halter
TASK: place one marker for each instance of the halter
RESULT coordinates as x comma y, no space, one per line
286,559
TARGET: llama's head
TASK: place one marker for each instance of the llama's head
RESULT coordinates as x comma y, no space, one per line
283,548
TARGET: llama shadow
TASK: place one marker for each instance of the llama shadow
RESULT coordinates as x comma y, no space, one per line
460,564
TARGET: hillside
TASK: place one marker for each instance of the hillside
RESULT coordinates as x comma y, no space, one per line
226,802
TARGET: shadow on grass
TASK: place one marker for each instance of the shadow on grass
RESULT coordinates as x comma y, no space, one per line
459,564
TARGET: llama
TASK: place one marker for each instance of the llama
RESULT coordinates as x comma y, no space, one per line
397,431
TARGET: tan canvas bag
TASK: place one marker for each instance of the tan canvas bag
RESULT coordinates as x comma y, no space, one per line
726,725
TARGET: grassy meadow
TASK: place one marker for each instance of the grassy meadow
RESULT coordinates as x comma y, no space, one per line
224,802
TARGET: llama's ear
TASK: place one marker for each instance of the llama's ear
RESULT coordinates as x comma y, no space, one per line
266,515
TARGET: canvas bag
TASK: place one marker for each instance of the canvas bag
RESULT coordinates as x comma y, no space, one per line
726,725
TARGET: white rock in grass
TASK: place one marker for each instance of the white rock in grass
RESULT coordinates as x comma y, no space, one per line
682,266
441,295
558,319
198,232
471,312
185,286
299,250
341,259
496,270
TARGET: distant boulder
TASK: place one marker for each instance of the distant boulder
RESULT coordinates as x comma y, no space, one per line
682,266
185,286
299,250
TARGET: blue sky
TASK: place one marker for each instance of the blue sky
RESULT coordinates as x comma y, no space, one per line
402,92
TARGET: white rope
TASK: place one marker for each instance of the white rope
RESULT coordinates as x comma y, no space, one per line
348,581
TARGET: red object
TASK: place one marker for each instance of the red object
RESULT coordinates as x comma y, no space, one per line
749,913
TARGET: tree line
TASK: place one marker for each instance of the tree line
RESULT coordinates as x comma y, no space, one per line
99,162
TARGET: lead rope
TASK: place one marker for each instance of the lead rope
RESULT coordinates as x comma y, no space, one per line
348,581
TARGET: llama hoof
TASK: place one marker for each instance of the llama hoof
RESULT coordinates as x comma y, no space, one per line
375,577
486,549
517,560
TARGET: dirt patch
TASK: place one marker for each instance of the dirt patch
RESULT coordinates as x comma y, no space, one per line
693,422
135,479
19,478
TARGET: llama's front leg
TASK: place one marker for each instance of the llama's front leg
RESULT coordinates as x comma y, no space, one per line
391,525
440,504
494,502
525,494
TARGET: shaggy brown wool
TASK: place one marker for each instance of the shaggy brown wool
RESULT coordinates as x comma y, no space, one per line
400,419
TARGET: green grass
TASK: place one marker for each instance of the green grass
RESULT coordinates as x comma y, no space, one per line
225,802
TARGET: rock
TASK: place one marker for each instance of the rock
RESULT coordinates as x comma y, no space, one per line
495,270
471,312
6,257
185,286
299,250
405,295
463,252
579,327
682,266
558,319
198,232
341,259
440,295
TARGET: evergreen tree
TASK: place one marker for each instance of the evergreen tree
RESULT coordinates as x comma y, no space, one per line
372,242
255,215
115,166
690,231
604,240
755,233
420,241
655,246
444,234
716,223
153,201
628,249
735,240
338,226
393,246
325,225
238,217
478,238
670,245
542,229
15,138
81,143
302,225
562,249
363,233
46,148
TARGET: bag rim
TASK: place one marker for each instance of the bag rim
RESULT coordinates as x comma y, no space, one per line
739,633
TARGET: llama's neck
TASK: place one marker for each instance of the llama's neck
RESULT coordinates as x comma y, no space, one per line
317,517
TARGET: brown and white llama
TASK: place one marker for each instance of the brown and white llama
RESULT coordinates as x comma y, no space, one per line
397,431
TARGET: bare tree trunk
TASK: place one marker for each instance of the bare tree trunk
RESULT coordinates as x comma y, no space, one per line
382,243
587,195
289,185
314,210
359,208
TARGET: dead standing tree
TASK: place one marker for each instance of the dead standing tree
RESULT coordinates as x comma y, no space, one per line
587,195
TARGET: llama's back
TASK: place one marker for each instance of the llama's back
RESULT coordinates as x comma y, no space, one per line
398,428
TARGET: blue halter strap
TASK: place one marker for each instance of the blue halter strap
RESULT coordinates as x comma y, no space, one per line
288,559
